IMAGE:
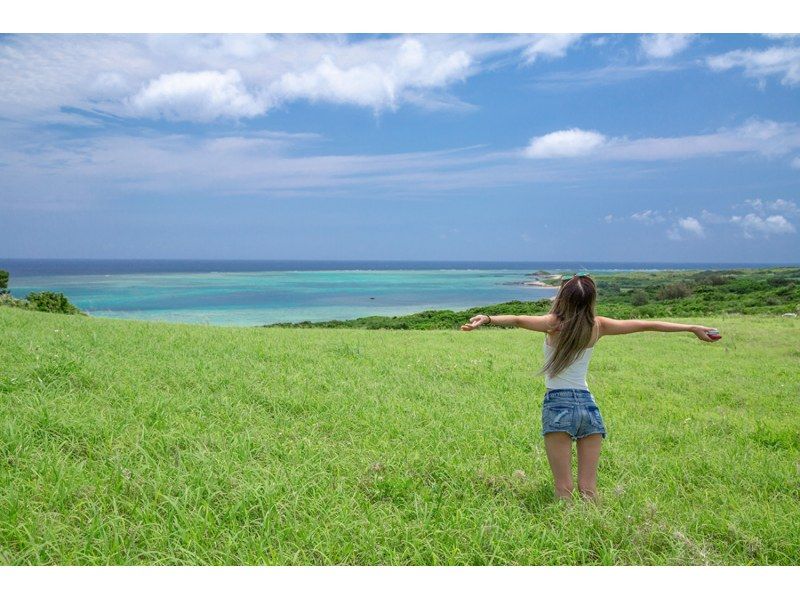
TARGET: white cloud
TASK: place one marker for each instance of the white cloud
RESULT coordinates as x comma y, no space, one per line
569,143
755,204
766,218
373,85
692,225
664,45
605,75
684,228
551,45
199,96
608,218
46,171
795,163
785,206
754,136
780,206
647,217
782,61
200,77
753,224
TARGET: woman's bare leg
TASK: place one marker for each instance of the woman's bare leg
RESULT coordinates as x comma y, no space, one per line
559,453
588,458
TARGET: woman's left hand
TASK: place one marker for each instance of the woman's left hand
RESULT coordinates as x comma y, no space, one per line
701,332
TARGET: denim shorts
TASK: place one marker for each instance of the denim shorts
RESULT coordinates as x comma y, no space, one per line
571,410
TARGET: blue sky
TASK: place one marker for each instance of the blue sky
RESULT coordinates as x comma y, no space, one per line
464,147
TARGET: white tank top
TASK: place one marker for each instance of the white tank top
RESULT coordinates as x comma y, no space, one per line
574,375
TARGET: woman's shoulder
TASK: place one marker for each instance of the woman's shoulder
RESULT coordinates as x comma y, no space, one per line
553,320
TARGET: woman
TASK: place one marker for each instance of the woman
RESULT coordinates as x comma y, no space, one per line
569,411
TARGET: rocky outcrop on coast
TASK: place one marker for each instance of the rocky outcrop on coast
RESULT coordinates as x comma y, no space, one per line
538,279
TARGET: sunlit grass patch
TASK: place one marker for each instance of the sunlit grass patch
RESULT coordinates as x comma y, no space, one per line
142,443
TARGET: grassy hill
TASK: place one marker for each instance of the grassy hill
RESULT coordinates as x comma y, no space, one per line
142,443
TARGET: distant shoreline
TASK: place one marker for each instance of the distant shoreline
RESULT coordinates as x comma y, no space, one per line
641,294
259,297
24,267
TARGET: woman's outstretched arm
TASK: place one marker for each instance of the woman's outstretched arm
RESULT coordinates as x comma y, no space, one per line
537,323
611,326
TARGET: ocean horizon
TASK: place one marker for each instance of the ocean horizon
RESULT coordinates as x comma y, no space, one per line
257,292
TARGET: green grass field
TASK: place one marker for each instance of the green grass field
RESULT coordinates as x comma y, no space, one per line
141,443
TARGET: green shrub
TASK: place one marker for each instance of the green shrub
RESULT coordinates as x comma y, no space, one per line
51,302
7,300
639,298
711,277
678,290
3,281
717,279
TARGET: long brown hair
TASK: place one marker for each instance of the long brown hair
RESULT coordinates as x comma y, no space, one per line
574,308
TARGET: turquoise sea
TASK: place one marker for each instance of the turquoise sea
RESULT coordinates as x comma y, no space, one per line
250,293
253,298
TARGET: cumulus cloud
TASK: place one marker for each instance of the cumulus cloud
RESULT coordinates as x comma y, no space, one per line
202,77
766,217
781,61
795,163
379,84
551,45
753,224
200,96
569,143
691,225
664,45
373,85
684,228
754,136
762,218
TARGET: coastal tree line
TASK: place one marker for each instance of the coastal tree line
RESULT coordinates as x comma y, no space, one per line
48,301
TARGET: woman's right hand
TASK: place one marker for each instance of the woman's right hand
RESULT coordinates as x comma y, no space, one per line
474,322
